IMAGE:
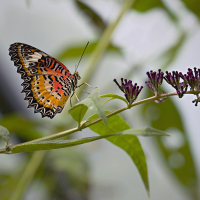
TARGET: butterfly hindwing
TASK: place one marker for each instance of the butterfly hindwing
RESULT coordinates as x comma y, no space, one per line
47,82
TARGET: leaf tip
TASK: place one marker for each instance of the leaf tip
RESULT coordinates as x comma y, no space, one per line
148,193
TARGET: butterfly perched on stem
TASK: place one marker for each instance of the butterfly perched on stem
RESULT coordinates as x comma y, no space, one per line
47,82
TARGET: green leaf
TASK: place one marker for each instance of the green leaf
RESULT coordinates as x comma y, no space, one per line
94,17
145,131
93,102
129,143
114,96
78,112
4,133
54,144
108,100
194,6
166,116
76,51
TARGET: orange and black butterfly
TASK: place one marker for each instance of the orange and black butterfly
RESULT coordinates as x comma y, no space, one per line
47,82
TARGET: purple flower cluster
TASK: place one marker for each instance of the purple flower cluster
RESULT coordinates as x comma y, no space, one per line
174,80
154,83
130,91
177,80
155,80
193,79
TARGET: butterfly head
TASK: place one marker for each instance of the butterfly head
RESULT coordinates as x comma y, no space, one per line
77,76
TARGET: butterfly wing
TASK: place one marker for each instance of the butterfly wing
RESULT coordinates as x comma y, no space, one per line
46,80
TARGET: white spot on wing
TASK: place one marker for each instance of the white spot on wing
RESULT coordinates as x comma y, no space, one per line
36,55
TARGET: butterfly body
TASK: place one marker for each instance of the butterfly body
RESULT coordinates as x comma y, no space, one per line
47,82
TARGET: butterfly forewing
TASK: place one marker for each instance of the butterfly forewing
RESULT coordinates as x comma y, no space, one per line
46,83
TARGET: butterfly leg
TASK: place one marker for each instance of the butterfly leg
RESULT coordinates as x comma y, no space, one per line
83,90
71,99
74,92
76,96
87,85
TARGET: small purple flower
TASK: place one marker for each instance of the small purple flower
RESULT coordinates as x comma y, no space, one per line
131,91
193,80
155,81
174,80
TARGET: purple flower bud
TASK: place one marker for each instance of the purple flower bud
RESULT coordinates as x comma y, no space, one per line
174,80
192,79
130,91
126,96
155,81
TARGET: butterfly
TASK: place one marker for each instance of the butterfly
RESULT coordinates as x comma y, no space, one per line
47,82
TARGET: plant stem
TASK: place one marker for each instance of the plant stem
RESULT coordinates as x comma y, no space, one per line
92,122
126,108
3,150
55,136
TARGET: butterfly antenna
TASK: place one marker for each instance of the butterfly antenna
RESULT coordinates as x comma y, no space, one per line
76,67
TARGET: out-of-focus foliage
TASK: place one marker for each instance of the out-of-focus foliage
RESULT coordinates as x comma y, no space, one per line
71,170
129,144
178,158
193,5
94,17
143,6
14,122
170,55
4,133
76,51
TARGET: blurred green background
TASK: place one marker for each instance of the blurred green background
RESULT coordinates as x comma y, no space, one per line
127,38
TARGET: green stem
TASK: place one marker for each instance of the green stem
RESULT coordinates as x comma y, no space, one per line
126,107
55,136
92,122
27,175
89,123
3,150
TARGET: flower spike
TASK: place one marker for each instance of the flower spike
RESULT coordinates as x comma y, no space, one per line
193,80
130,91
174,80
155,81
